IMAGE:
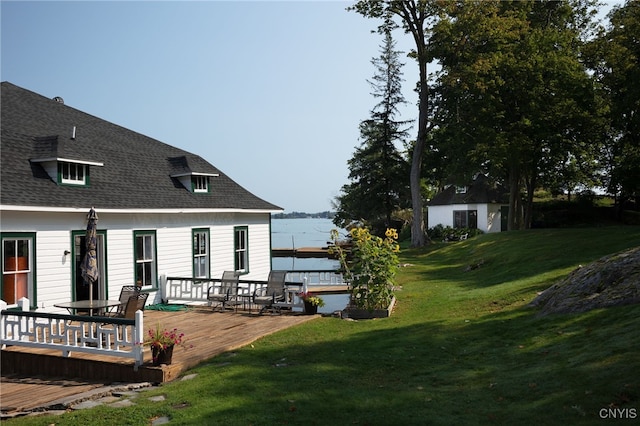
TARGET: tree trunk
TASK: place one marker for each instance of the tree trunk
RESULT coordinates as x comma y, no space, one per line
528,208
514,194
417,228
417,225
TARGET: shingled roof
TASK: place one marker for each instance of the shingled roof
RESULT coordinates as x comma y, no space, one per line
130,171
479,192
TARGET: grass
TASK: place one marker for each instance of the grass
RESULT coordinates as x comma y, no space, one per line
462,347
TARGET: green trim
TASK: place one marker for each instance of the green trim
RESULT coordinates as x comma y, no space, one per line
87,178
193,184
154,284
103,271
270,242
236,229
195,231
33,266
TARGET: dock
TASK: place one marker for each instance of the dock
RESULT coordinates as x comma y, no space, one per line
309,252
302,252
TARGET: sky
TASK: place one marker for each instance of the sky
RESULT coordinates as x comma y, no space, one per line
269,92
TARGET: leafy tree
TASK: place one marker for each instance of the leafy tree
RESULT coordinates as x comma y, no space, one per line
377,169
513,98
615,57
416,16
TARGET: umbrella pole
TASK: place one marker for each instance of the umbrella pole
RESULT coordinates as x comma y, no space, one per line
91,297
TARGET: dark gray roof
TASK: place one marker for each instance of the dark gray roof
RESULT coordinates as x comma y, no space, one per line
136,173
481,191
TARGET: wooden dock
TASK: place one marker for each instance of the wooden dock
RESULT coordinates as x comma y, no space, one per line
208,334
302,252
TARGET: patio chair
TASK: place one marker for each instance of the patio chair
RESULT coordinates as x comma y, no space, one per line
125,293
135,303
226,294
270,296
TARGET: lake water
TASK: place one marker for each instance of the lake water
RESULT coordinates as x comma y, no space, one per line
296,233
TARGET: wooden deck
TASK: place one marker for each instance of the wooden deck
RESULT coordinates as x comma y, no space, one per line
208,334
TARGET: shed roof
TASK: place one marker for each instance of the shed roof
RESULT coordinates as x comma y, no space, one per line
481,191
127,169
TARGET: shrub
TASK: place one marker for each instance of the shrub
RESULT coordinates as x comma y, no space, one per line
447,233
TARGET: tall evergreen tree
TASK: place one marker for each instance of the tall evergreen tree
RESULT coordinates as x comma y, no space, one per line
378,172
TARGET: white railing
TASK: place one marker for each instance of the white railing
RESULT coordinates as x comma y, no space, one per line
185,289
117,337
180,289
316,277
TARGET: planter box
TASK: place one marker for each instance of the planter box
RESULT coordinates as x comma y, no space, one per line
357,313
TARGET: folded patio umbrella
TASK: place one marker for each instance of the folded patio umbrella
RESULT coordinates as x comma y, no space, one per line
89,266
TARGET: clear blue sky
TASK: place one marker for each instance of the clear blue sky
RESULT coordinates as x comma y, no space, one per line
269,92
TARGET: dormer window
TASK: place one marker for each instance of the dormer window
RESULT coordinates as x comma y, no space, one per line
200,183
73,173
461,189
65,171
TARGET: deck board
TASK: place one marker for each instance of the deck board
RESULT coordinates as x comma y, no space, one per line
208,334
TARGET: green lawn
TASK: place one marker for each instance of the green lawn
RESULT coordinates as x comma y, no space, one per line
462,348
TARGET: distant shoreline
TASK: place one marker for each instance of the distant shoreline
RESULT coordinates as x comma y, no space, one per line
302,215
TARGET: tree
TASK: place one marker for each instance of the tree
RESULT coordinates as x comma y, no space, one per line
416,17
615,56
377,169
513,99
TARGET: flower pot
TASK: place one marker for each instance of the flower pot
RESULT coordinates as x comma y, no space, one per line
162,356
358,313
310,308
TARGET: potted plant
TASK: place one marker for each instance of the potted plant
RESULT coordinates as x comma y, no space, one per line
370,267
162,342
311,302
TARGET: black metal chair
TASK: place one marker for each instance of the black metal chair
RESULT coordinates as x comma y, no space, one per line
125,293
225,294
273,293
135,303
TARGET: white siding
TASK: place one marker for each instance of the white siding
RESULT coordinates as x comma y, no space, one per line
440,215
173,246
120,269
53,268
488,215
494,218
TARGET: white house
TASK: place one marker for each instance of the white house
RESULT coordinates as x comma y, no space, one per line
161,211
479,205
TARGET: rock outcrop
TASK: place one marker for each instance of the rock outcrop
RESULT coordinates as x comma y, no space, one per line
610,281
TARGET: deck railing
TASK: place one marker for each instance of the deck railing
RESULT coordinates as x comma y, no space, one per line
117,337
318,277
186,289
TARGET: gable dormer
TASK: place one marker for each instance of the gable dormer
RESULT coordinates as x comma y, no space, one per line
193,181
196,182
63,166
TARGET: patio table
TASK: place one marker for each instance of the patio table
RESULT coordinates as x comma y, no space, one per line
91,305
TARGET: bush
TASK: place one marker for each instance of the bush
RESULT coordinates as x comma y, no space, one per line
447,233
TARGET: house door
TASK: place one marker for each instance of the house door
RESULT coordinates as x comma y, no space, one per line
80,288
504,218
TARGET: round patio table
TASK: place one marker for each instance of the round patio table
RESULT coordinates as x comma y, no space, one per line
91,305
